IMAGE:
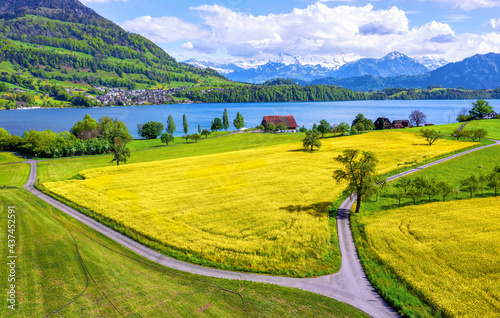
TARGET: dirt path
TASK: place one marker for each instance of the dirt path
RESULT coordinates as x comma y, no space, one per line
350,285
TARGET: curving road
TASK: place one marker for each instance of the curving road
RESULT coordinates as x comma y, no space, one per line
350,285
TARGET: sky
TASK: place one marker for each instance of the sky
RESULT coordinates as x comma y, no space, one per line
258,29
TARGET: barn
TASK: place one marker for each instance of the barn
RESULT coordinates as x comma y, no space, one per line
287,120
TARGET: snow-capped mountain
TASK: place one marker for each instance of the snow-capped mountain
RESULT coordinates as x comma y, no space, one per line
430,62
311,67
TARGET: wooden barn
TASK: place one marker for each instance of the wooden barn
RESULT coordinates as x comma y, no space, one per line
383,121
288,120
401,123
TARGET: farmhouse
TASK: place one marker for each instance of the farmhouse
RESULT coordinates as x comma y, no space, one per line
288,120
383,121
492,114
401,123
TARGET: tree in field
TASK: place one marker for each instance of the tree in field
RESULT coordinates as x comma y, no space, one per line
171,125
470,184
480,109
324,127
414,192
139,129
494,180
445,189
216,124
343,128
476,134
121,151
271,127
281,127
404,184
359,173
362,123
431,136
199,129
88,128
186,137
302,129
459,133
239,121
112,128
417,117
185,124
311,139
151,130
166,138
225,120
195,137
431,189
205,132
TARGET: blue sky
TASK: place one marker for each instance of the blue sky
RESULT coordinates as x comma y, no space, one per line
258,29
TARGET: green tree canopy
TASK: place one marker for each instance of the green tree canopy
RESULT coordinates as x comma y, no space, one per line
362,123
358,173
239,121
185,124
151,130
113,128
216,124
480,109
205,132
166,138
121,151
311,139
431,136
171,125
225,120
324,127
88,128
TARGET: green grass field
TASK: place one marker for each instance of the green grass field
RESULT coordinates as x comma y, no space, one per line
49,275
14,175
492,126
8,157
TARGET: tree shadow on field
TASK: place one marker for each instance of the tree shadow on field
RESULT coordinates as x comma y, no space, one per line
315,209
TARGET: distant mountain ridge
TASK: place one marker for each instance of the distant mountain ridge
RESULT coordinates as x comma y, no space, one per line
309,68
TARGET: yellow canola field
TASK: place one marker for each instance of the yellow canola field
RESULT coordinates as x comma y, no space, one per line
260,210
449,252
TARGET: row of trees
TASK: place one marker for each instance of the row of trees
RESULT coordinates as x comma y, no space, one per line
472,134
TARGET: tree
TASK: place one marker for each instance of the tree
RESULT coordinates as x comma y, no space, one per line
445,189
216,124
225,120
271,127
281,127
302,129
480,109
151,130
239,121
417,117
470,184
343,128
359,174
430,189
205,133
88,128
431,136
139,129
494,180
362,123
112,128
185,124
457,133
404,184
199,129
121,151
311,139
170,125
476,134
324,127
195,137
167,137
186,137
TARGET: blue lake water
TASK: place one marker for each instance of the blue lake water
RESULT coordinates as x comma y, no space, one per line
306,113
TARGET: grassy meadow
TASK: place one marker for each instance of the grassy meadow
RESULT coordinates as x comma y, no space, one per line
9,157
447,252
261,210
14,175
492,126
49,275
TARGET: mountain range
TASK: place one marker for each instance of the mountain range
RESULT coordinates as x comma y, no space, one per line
309,68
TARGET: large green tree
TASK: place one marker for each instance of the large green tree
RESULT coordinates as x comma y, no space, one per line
185,124
88,128
480,109
216,124
239,121
171,125
166,138
225,119
358,173
121,151
324,127
151,130
311,139
112,128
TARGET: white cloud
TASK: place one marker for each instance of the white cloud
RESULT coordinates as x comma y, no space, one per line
101,1
164,29
495,24
188,45
470,4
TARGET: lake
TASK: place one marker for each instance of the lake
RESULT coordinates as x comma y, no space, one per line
305,113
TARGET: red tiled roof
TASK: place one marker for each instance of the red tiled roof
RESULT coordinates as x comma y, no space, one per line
288,120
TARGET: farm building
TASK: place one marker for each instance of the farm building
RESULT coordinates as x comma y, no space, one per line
492,114
386,122
401,123
288,120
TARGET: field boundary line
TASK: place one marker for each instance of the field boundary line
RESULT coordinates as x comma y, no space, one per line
350,285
